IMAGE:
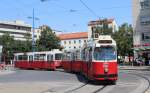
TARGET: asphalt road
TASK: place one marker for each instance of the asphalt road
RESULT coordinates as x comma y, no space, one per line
31,81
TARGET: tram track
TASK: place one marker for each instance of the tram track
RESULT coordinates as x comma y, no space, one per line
87,86
145,78
70,91
100,89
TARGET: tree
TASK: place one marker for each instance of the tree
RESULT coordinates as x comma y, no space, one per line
48,40
7,42
11,46
124,39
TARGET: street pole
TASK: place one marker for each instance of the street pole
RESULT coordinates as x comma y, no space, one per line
33,41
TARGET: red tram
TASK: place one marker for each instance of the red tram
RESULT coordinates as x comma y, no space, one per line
97,60
71,61
38,60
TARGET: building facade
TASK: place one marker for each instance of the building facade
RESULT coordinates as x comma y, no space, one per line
141,27
92,25
18,29
73,41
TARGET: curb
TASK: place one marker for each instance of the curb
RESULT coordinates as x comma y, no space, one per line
135,68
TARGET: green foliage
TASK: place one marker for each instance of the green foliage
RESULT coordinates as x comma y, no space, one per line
11,46
124,39
48,40
104,29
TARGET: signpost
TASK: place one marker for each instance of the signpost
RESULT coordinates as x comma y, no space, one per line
1,47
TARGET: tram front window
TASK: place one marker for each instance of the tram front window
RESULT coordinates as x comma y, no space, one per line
105,53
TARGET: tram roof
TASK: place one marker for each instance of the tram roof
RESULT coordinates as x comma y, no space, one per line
41,52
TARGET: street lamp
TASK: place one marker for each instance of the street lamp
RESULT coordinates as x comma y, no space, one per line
33,29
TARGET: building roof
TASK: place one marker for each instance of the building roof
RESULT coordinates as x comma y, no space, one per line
77,35
91,23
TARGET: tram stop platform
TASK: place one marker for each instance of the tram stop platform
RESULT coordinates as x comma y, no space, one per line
146,68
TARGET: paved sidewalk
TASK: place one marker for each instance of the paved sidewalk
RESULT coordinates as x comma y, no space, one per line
5,72
134,67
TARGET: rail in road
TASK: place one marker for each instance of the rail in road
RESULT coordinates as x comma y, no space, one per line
147,81
87,88
97,89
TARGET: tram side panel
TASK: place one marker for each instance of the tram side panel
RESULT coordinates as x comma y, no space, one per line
67,65
76,66
85,68
49,65
58,63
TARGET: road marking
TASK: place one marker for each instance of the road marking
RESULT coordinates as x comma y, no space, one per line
126,84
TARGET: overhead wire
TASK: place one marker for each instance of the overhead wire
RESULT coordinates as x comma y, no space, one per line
89,9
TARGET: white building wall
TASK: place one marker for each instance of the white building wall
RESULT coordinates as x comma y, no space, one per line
19,34
141,28
112,25
72,44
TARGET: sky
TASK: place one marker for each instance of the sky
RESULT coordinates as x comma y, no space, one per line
66,15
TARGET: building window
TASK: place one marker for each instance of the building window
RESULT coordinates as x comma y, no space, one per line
79,41
74,41
35,36
145,4
69,42
145,36
64,42
145,20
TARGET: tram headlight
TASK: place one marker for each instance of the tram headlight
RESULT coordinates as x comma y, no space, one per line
105,65
106,70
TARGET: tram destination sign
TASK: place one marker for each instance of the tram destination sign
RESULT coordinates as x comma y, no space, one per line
105,41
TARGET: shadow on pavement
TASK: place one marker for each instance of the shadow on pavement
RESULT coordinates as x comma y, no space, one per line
83,79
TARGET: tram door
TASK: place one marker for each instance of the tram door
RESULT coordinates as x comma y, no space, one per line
30,60
89,60
49,58
72,60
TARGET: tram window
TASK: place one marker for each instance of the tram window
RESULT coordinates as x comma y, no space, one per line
58,56
19,57
39,57
36,56
25,57
52,58
77,55
105,53
30,58
22,57
83,55
67,56
49,57
42,57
